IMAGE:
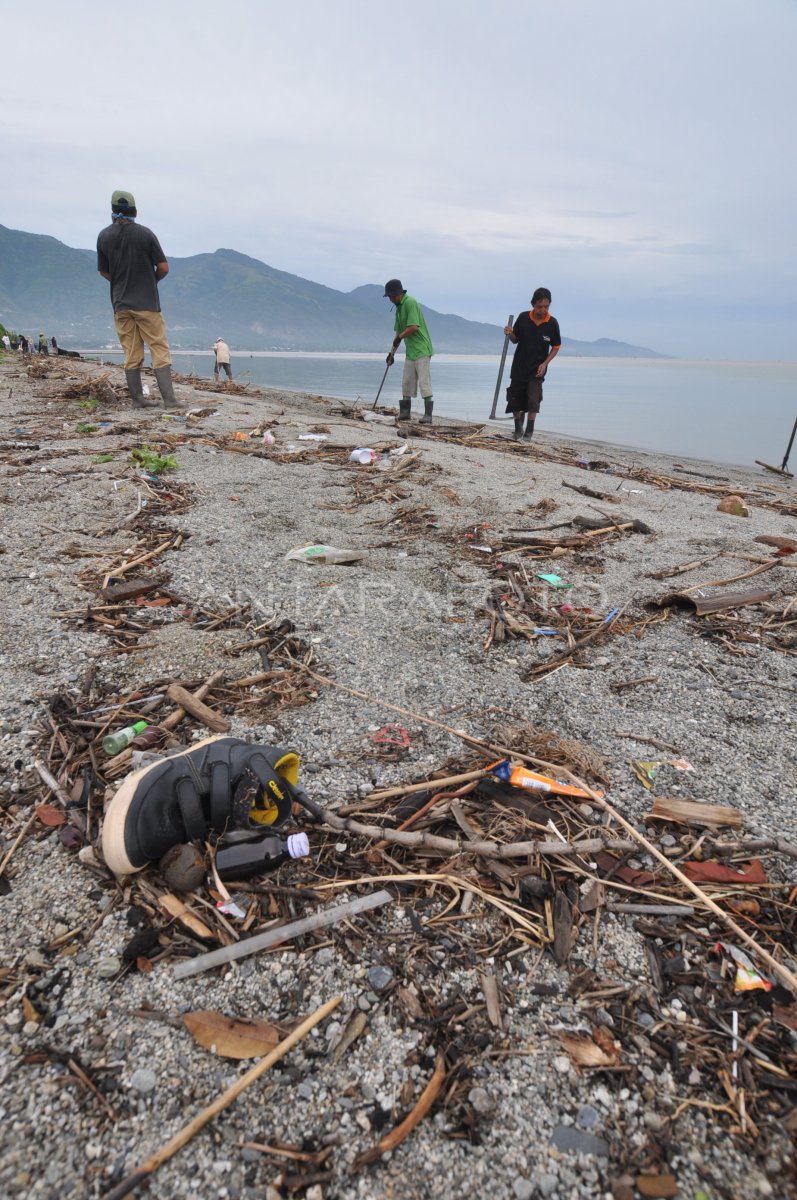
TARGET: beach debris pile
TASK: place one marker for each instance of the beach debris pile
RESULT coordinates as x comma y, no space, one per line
485,861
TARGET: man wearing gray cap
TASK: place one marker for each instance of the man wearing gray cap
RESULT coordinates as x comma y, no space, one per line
410,328
131,258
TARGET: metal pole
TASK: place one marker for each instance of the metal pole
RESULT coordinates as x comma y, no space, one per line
500,374
788,448
382,384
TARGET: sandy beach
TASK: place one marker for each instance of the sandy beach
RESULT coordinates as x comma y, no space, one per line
444,641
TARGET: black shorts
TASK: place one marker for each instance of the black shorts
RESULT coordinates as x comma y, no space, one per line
525,396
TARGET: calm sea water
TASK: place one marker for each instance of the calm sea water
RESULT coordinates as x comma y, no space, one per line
723,412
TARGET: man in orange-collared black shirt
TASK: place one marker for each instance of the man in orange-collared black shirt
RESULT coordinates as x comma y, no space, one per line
538,340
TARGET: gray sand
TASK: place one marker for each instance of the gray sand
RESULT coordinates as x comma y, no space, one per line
404,626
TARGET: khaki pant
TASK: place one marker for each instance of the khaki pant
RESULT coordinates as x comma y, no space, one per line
417,373
137,326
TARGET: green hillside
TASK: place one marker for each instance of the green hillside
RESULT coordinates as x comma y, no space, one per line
47,285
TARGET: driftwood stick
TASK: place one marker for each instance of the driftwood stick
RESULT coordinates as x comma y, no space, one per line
447,846
251,680
117,572
430,785
684,567
650,741
396,1136
197,708
282,933
12,849
52,782
565,655
754,846
767,566
180,1139
627,683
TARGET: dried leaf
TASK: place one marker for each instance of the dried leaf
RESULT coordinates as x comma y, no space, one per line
745,906
585,1052
662,1186
410,1003
785,1014
29,1011
231,1037
175,908
355,1028
51,816
602,1038
144,964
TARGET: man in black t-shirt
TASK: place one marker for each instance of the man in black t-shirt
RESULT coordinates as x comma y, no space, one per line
538,341
131,258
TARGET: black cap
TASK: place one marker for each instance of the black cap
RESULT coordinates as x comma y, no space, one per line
393,287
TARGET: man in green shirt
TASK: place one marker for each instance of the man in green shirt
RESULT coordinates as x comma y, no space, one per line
410,328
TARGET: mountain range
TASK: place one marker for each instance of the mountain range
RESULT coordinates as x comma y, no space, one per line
47,285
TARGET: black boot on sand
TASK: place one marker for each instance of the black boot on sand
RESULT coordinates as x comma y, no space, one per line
136,390
405,408
428,405
518,434
220,783
163,376
529,434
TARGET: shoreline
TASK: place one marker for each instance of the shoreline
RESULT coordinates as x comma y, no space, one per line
409,626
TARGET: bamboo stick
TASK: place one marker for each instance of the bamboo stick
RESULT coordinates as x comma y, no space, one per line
767,566
180,1139
430,785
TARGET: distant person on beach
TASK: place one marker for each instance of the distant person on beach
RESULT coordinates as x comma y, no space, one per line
130,257
43,347
222,352
410,328
54,344
6,342
538,340
23,343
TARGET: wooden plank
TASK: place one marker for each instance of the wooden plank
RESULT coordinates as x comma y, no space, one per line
693,812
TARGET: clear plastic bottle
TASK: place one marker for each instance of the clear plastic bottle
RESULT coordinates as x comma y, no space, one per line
239,860
115,743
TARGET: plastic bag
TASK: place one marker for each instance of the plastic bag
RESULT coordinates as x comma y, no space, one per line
314,553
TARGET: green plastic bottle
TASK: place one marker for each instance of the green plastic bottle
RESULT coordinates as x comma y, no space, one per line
115,743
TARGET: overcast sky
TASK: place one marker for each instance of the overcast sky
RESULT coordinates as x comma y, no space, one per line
635,157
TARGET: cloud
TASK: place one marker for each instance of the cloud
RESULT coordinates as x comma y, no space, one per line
633,156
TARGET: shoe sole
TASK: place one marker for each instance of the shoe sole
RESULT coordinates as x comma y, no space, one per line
113,826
